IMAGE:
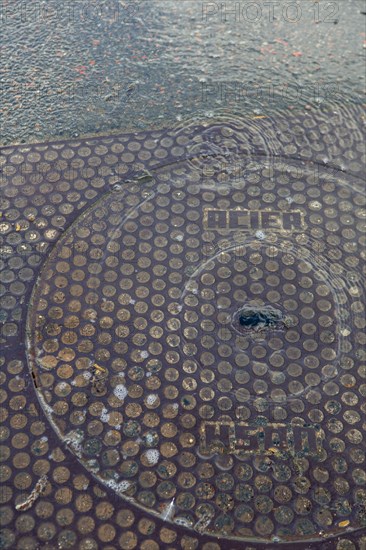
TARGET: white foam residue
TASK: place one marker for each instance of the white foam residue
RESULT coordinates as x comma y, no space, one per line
104,415
119,487
47,407
150,439
185,522
144,354
152,456
151,398
74,439
260,235
123,486
112,484
92,465
203,523
120,391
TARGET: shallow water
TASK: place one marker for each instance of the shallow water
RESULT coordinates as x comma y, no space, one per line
70,69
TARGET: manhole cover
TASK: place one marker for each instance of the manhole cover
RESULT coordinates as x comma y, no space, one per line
197,342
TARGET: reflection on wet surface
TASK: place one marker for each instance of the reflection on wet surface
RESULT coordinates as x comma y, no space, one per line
76,68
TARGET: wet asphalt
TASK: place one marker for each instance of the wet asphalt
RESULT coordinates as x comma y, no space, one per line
71,69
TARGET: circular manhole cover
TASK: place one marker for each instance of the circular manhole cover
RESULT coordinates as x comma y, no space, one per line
198,343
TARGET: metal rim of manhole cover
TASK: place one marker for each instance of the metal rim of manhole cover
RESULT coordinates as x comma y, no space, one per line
197,339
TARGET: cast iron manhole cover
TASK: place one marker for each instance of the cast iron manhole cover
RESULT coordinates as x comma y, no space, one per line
197,341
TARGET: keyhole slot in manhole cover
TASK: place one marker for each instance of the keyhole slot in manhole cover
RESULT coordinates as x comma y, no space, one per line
256,318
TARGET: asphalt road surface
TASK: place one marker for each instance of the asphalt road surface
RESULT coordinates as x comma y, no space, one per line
71,69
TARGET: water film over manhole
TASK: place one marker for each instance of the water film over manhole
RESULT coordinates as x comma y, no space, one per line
197,341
